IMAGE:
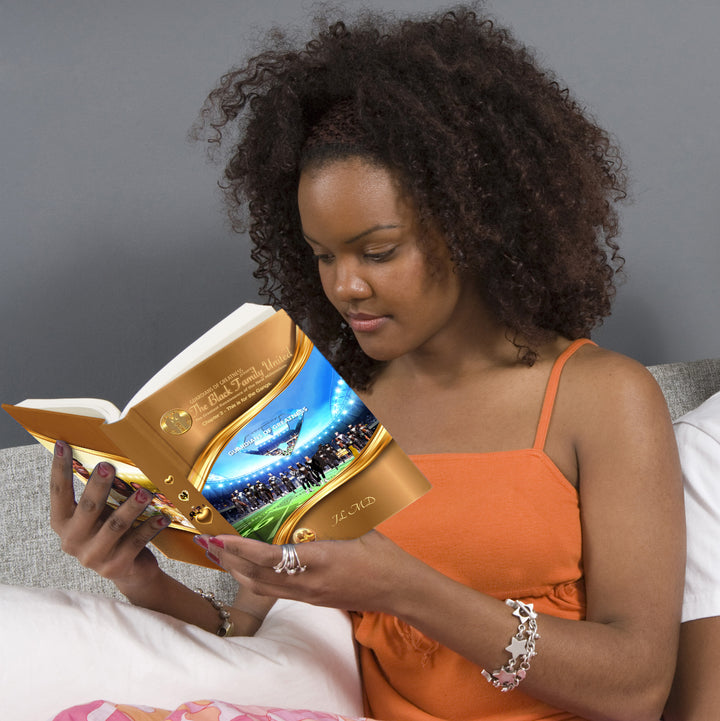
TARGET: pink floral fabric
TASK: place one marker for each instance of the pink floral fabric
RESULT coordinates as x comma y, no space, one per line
191,711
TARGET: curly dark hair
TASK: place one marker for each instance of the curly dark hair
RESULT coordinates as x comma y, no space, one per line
490,149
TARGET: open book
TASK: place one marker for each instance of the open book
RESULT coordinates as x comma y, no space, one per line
249,430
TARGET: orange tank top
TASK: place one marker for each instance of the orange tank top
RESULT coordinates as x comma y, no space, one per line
504,523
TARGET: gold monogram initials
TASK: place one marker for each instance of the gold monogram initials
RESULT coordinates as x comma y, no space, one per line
176,422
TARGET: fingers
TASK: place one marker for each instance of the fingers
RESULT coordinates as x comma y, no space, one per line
77,525
245,554
62,496
254,563
332,569
145,532
123,517
119,560
117,536
259,553
83,514
103,540
92,503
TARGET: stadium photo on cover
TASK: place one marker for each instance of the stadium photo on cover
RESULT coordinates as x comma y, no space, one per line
298,443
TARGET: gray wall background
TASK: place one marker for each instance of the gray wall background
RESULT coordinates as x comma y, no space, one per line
115,249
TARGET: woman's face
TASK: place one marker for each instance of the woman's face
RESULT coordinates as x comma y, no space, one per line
372,267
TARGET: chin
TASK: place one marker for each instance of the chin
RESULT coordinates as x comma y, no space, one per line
380,357
376,352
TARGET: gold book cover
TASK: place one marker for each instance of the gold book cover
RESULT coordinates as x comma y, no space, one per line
251,431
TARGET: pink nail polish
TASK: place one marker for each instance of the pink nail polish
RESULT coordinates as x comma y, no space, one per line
217,542
200,540
213,557
142,496
59,449
161,521
103,469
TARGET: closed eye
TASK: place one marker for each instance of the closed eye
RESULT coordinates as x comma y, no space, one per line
379,257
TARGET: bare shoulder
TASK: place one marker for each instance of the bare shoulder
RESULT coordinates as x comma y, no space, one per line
606,366
598,383
613,415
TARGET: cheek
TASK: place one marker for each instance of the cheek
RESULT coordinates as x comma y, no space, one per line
326,281
442,292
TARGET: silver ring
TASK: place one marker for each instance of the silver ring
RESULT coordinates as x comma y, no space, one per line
280,567
297,566
290,563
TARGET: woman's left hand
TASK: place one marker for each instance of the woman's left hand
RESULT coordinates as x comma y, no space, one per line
363,574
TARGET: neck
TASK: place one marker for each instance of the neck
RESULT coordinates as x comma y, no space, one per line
473,341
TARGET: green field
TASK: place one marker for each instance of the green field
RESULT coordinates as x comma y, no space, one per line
264,523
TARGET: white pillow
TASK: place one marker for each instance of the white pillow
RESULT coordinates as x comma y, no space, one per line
61,648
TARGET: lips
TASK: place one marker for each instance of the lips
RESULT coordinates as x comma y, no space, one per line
366,322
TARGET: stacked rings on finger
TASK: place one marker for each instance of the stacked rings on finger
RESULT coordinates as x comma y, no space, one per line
290,562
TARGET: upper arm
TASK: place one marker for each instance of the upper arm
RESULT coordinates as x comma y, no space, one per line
631,504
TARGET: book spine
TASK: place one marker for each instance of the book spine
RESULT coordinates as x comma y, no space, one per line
168,472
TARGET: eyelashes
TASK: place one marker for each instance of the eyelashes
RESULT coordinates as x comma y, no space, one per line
379,257
327,258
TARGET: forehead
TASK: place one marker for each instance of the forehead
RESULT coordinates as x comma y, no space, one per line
345,197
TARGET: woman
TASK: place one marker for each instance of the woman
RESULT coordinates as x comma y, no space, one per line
437,212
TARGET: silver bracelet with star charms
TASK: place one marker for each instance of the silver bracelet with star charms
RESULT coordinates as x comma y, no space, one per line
521,648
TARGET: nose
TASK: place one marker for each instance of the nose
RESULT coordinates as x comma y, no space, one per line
348,282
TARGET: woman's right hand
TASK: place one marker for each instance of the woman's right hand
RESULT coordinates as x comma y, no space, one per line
105,541
109,543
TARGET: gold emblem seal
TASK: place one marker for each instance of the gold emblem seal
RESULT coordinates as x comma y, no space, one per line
303,535
176,422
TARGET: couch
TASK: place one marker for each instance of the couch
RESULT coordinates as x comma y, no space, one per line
66,639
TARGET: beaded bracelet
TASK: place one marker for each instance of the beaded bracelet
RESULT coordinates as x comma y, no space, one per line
521,648
226,624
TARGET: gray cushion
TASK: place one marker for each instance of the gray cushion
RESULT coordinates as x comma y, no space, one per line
687,385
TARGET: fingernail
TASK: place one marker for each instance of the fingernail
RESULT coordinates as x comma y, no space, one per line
59,449
161,521
104,469
201,541
217,542
213,557
142,495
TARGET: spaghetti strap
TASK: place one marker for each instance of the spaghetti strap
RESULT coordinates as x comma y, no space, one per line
551,391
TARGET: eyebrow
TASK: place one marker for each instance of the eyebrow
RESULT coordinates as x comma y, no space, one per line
357,237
